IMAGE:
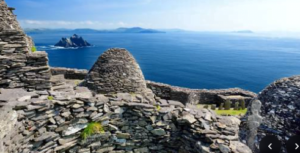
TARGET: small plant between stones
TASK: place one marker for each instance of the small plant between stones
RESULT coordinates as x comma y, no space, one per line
33,49
50,98
158,108
92,128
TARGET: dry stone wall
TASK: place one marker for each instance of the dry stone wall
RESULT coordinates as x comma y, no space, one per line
130,126
19,67
69,73
165,91
196,96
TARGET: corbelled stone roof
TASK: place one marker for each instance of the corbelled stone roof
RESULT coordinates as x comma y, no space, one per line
278,105
280,108
116,70
7,18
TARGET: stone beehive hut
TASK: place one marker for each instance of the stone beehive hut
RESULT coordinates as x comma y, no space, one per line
280,109
19,67
278,106
116,71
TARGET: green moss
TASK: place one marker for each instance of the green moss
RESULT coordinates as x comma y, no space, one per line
77,82
221,111
132,94
33,49
50,98
92,128
231,112
158,108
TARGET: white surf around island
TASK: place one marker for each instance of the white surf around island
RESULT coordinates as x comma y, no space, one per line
52,47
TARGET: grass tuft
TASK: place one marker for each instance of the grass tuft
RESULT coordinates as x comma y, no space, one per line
158,108
50,98
33,49
91,129
231,112
221,111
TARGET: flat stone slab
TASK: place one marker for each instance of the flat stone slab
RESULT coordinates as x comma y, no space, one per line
14,94
140,105
175,103
83,92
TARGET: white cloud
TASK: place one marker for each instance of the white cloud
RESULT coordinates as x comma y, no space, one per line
122,23
45,22
70,24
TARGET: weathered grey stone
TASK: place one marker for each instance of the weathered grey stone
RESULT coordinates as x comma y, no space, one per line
189,118
141,150
224,148
238,147
140,105
123,135
83,93
66,146
46,136
175,103
159,132
104,150
75,128
14,94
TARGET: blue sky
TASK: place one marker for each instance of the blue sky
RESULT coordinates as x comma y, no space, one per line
197,15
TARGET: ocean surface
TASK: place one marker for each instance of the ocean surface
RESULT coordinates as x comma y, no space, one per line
193,60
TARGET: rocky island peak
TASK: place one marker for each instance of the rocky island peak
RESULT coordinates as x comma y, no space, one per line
73,41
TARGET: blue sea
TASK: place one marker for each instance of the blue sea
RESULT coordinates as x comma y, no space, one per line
194,60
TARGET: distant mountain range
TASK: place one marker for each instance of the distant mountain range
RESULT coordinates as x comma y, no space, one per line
78,31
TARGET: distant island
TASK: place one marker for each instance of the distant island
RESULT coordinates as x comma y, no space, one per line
77,31
74,41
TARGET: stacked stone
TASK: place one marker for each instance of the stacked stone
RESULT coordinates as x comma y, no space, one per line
280,110
19,67
130,126
78,74
8,19
116,71
196,96
184,95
